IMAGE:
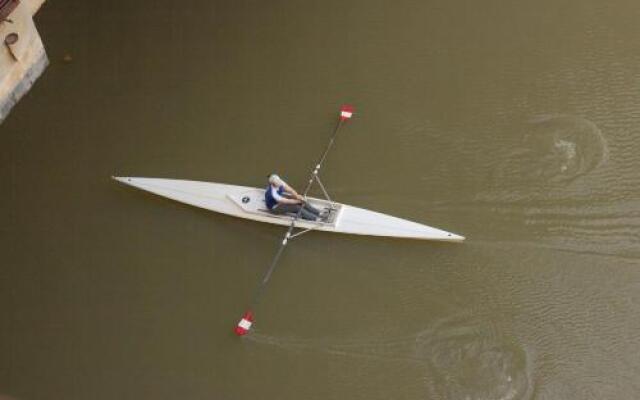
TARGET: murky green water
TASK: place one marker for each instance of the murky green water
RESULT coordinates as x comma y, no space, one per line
512,124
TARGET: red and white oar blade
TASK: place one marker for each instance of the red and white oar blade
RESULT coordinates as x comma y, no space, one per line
244,325
346,112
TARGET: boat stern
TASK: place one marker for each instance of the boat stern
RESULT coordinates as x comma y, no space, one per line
452,237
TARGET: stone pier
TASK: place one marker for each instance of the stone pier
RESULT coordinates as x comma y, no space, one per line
22,56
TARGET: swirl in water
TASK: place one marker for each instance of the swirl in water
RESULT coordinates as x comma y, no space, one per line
471,361
458,357
554,148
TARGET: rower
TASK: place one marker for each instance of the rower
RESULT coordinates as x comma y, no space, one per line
281,198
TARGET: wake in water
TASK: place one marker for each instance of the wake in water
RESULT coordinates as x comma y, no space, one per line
458,358
473,361
554,182
555,148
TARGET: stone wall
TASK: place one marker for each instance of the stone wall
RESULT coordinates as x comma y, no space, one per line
22,55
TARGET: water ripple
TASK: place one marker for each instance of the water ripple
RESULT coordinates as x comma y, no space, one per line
473,361
460,356
555,148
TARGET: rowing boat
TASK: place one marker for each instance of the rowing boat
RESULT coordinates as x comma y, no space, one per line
248,202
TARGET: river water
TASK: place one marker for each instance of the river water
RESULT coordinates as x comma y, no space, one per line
512,124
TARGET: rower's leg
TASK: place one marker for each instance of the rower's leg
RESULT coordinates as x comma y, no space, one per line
308,207
308,215
308,212
282,209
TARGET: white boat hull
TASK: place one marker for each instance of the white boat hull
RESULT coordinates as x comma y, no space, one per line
247,202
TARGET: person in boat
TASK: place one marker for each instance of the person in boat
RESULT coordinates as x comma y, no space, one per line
281,198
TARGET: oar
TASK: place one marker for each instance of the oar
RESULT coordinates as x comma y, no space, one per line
243,327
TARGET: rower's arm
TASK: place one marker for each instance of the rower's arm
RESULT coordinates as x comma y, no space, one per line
291,190
285,200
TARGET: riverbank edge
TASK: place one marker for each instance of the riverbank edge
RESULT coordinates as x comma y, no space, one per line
21,63
23,85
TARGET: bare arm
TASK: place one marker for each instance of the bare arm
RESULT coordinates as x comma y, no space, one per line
292,192
285,200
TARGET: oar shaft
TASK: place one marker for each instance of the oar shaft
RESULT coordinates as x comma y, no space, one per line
318,165
272,267
287,235
247,320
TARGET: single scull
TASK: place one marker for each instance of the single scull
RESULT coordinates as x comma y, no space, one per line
249,203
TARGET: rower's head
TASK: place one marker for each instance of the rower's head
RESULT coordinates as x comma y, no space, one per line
274,180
